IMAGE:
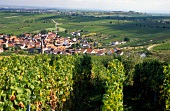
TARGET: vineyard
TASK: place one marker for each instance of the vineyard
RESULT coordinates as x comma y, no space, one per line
79,83
165,46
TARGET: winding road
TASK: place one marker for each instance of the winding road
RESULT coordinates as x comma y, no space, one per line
151,46
56,23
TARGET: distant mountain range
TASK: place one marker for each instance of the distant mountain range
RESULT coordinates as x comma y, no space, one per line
63,8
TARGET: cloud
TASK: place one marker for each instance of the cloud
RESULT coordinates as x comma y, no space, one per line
125,5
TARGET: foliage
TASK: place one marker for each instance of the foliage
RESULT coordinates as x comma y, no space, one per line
148,81
4,47
73,46
17,47
82,83
32,80
105,61
164,46
130,60
167,87
113,98
66,31
81,86
126,39
43,31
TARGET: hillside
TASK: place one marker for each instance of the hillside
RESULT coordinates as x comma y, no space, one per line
141,29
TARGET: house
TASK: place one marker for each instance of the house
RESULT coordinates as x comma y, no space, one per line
16,39
1,35
51,51
83,51
74,39
68,51
110,52
118,51
51,44
100,53
11,45
143,55
85,45
65,42
30,45
1,50
13,37
91,51
23,46
1,41
115,43
76,34
123,42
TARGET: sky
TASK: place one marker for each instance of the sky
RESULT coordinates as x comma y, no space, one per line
155,6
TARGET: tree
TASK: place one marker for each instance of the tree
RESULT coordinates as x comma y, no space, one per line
73,46
21,52
10,35
78,45
43,31
66,31
95,44
4,47
35,51
126,39
58,29
17,47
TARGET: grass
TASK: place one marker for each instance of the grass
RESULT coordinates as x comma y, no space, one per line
17,29
164,46
51,29
17,23
137,34
161,55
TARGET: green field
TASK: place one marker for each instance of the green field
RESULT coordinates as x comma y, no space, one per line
164,46
141,29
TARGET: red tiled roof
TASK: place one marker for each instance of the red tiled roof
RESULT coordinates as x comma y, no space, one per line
1,41
27,35
89,50
13,37
83,50
11,45
112,51
96,50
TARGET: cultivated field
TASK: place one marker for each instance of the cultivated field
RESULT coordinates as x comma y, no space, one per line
141,29
164,46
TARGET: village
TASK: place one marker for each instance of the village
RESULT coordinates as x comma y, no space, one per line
52,43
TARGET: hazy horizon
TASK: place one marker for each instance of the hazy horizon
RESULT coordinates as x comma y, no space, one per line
148,6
